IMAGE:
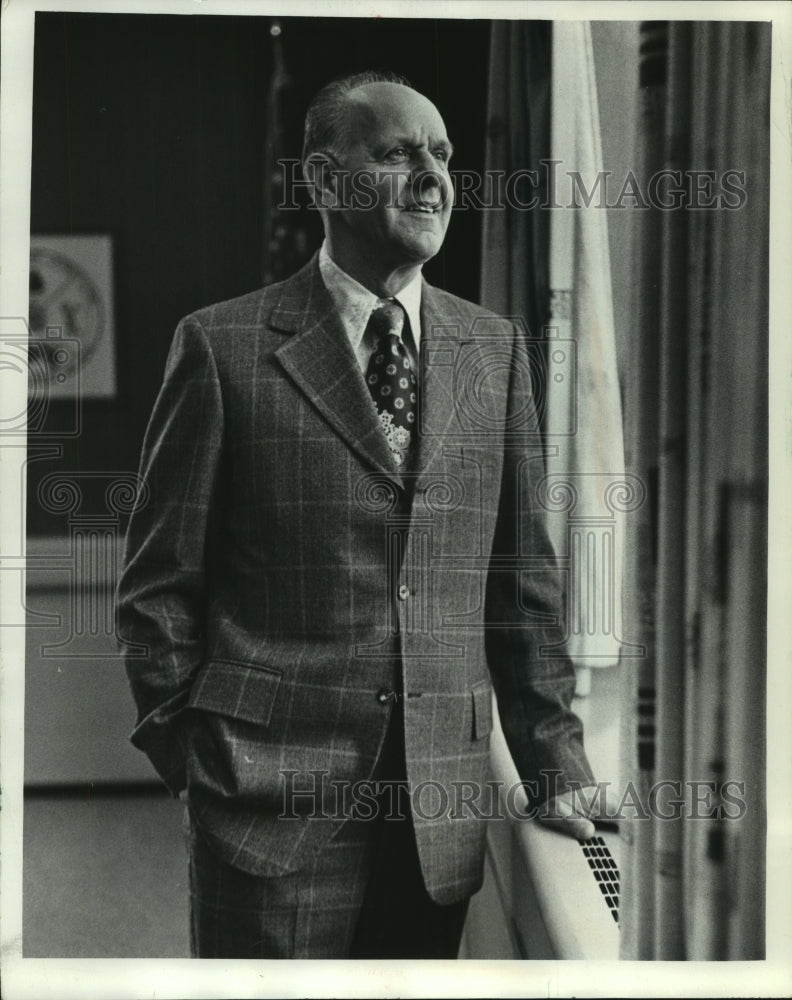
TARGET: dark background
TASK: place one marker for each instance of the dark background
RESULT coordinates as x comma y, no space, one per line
152,129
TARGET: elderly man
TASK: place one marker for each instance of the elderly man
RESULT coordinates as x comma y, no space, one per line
340,556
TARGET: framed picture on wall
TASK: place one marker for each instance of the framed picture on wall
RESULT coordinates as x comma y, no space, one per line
71,317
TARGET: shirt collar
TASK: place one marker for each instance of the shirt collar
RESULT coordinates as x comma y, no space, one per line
354,302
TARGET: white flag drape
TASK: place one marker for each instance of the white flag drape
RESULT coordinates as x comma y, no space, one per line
554,263
584,419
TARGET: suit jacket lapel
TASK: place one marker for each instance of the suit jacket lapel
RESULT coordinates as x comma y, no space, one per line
436,407
320,360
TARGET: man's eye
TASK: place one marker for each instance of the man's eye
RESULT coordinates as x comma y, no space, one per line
442,155
398,153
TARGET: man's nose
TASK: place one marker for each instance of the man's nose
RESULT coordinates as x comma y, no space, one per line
428,183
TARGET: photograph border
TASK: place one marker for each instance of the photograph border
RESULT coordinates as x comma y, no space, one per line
110,978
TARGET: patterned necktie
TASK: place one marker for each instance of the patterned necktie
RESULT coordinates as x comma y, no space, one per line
391,379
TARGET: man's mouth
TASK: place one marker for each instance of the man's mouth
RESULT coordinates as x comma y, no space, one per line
425,209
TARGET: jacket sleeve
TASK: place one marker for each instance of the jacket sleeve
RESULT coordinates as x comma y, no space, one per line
532,674
161,591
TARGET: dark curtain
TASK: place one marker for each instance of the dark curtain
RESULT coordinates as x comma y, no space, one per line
697,435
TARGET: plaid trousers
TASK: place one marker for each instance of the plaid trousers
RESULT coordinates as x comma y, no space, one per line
363,895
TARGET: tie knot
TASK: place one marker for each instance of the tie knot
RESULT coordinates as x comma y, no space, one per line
387,317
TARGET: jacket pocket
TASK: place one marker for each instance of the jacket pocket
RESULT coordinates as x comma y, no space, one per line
240,690
482,709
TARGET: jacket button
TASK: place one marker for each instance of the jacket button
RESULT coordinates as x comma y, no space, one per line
403,592
384,696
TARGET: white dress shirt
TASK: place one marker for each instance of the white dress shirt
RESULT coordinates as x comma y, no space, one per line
354,304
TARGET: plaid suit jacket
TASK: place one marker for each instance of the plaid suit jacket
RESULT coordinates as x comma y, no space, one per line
284,574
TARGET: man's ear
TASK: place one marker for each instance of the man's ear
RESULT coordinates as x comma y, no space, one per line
322,172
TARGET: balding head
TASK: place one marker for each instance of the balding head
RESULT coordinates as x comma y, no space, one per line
383,104
326,118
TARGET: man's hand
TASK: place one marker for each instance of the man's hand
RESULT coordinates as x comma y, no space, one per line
572,813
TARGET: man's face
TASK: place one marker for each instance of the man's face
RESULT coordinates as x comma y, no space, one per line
396,157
